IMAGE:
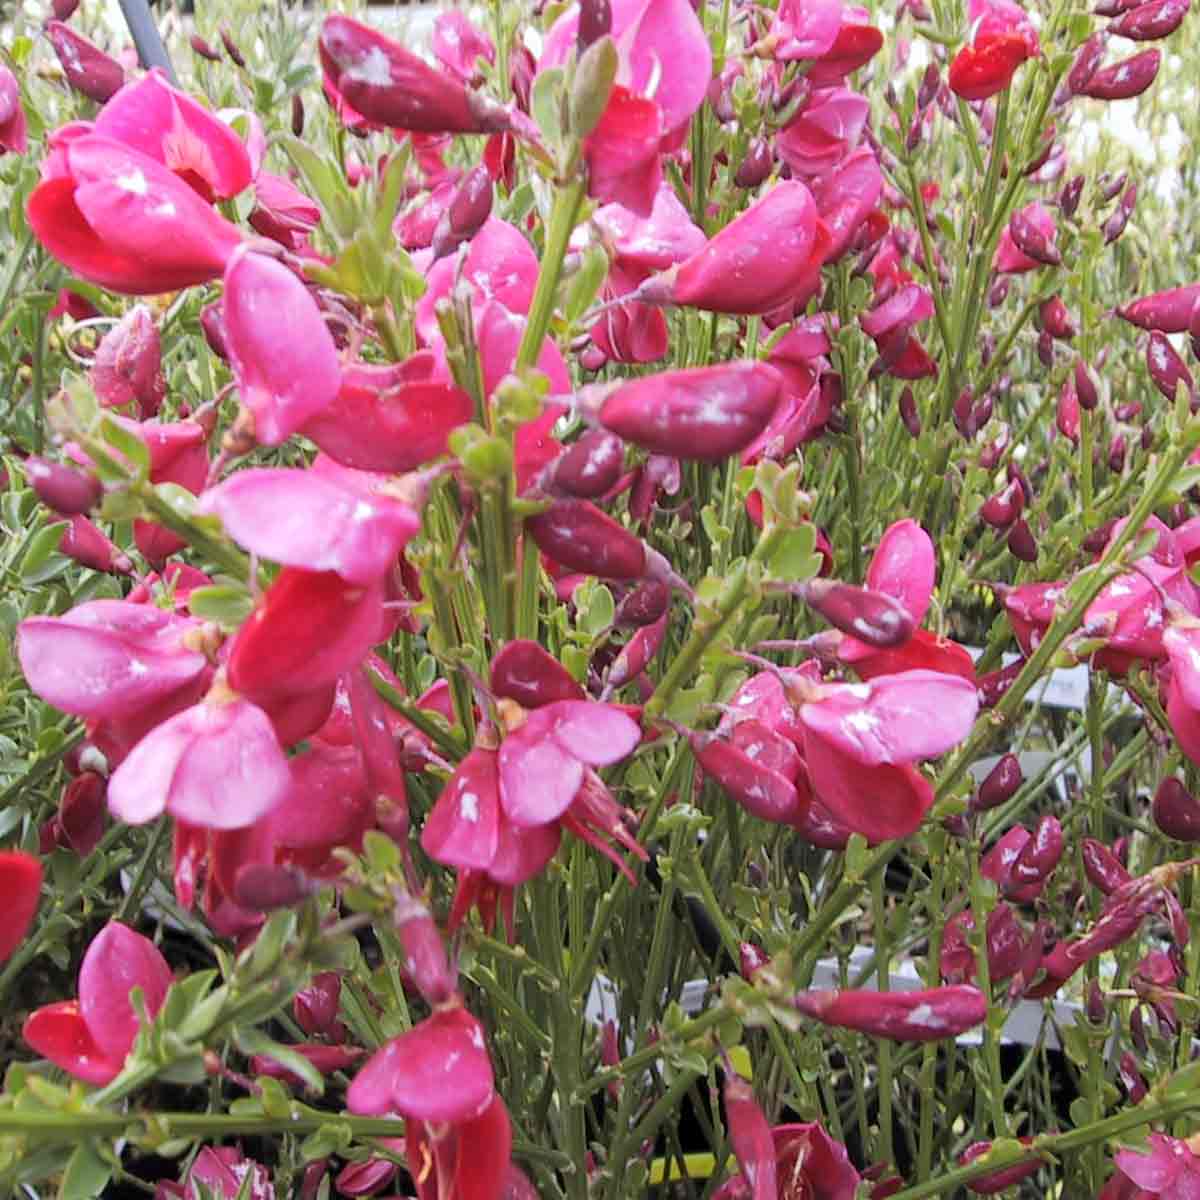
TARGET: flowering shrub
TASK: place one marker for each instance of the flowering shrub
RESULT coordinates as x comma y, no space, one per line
536,543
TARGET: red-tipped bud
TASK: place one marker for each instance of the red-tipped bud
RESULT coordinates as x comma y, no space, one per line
931,82
922,1016
1031,241
1085,386
231,48
1087,61
908,412
1041,853
467,211
1152,21
83,542
1021,542
263,887
1176,811
63,489
425,961
873,617
1068,198
1166,368
588,467
756,165
202,48
1101,866
595,22
1125,79
1001,784
87,68
1066,416
1056,319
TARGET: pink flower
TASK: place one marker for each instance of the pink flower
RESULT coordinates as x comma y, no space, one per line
21,885
12,116
225,1174
90,1037
169,126
928,1015
282,353
458,44
1003,38
1168,1170
304,520
127,369
282,212
217,764
1009,259
808,1164
122,220
623,152
827,127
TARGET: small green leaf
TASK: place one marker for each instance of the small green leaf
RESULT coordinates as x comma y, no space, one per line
87,1174
252,1041
228,605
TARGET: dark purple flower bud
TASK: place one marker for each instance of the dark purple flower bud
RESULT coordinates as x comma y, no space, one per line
1041,853
1176,811
636,655
1085,386
1151,21
85,543
1043,155
1068,198
991,687
466,212
316,1007
908,412
1001,784
1097,539
87,68
212,325
298,115
1087,60
1132,1078
1116,454
63,10
263,887
756,165
202,48
957,826
1056,319
582,538
588,467
63,489
1125,79
1137,1032
963,405
522,67
1095,1005
987,347
1021,542
1101,867
1045,349
1129,411
1110,185
873,617
1115,225
1031,241
425,960
754,784
1002,509
981,414
1167,369
999,292
993,452
644,605
595,22
1013,472
931,81
231,48
524,672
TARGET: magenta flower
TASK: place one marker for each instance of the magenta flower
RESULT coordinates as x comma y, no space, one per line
623,152
304,520
1169,311
90,1037
225,1174
282,212
458,44
282,353
127,369
808,1165
217,764
109,659
122,220
1038,222
169,126
21,885
88,69
928,1015
468,1159
828,126
13,135
1168,1170
755,263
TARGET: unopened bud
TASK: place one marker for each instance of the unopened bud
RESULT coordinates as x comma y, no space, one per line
756,165
751,958
873,617
909,414
1032,242
1068,198
1085,386
1056,319
1116,454
63,489
231,48
644,605
297,115
202,48
1115,225
1041,853
87,68
425,960
1124,79
1045,349
999,292
1001,784
588,467
595,22
466,212
315,1007
928,1015
264,887
1101,866
931,81
1176,811
1087,60
1167,370
990,688
1021,542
